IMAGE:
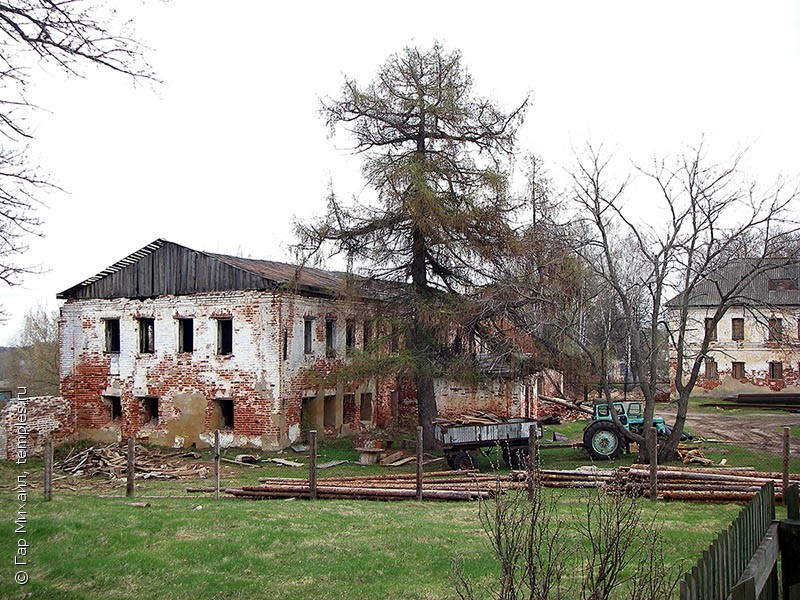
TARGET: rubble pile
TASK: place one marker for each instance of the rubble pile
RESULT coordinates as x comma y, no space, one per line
111,462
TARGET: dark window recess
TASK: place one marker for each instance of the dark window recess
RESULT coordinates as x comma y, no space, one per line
150,408
395,400
350,335
330,338
711,330
224,409
776,370
782,284
185,335
367,333
329,418
112,335
349,408
394,340
285,348
147,336
115,407
366,407
712,373
737,329
224,336
737,370
775,330
308,335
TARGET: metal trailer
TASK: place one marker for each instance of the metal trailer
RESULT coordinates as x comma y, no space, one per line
460,442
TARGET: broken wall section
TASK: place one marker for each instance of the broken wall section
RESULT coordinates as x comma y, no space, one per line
26,423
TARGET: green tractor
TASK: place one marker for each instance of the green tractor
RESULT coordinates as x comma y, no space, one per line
601,438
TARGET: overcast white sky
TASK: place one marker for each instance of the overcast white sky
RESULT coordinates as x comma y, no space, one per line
230,149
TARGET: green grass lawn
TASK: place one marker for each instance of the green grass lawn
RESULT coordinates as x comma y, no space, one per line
85,546
90,542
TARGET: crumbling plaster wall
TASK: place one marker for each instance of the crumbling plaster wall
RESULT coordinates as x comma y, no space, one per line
27,422
308,378
756,351
503,397
184,383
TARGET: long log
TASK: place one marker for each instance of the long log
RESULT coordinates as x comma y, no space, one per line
567,404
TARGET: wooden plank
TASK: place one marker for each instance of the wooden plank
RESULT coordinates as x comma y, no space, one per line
760,566
131,485
48,470
312,464
419,462
216,464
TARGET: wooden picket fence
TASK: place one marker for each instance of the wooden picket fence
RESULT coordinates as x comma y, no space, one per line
741,562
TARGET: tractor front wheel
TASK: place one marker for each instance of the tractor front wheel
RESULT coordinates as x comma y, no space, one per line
602,441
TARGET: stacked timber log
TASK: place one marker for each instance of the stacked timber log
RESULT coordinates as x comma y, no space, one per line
438,485
674,483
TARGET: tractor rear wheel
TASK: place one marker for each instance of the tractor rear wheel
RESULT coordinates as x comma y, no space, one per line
463,461
515,457
602,441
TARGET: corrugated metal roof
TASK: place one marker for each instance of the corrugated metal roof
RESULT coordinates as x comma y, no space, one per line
776,283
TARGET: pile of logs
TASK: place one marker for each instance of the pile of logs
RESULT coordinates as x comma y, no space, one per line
471,417
111,462
674,483
437,485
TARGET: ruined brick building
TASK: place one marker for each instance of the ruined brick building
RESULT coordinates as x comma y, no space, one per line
755,348
170,343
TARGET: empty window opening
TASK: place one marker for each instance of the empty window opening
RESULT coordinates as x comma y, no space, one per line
147,335
114,407
185,335
150,409
225,413
394,340
367,333
349,408
776,370
775,330
307,420
329,419
224,336
285,348
366,407
308,335
395,400
737,329
712,373
330,338
349,335
737,370
711,330
112,335
782,284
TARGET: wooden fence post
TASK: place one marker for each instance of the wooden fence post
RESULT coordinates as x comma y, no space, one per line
419,462
48,471
312,464
533,460
216,464
786,432
789,542
129,491
652,448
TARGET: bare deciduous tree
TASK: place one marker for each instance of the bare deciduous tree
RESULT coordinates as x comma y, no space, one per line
70,35
699,217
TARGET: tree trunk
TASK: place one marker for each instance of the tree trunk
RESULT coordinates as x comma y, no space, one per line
426,408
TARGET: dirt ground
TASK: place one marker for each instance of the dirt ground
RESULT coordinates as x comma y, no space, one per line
757,431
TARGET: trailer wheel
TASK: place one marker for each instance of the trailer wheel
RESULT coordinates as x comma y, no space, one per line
515,457
602,441
463,461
